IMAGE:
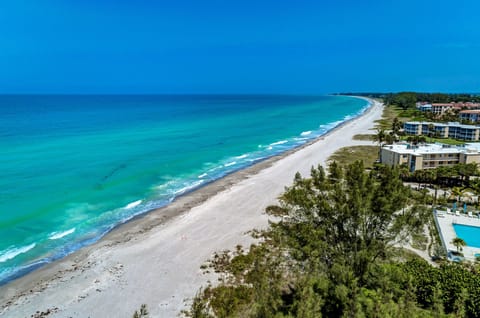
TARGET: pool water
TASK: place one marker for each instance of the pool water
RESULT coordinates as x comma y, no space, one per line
470,234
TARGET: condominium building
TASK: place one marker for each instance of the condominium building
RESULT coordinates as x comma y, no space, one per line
429,156
442,108
453,130
424,107
470,115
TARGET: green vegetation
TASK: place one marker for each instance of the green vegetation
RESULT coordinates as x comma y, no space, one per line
389,113
419,240
459,243
412,114
330,254
407,97
457,177
404,100
142,312
394,116
348,155
367,137
447,141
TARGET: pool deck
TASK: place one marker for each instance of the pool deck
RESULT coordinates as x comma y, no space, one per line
445,221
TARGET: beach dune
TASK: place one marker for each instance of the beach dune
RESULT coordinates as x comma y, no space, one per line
156,259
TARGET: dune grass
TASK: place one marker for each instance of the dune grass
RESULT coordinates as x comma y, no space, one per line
365,137
390,112
348,155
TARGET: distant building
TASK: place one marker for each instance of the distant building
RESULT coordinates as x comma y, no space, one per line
442,108
429,156
452,130
472,115
424,107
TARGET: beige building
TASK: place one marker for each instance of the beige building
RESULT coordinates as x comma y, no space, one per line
442,108
429,156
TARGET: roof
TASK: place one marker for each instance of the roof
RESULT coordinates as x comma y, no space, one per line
456,105
436,148
449,124
470,111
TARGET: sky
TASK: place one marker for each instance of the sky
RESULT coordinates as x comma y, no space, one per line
244,47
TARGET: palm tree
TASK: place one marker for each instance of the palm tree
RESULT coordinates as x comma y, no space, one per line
431,131
390,138
466,170
396,126
475,187
459,243
458,193
379,138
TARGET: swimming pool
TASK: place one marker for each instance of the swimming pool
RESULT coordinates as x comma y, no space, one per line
470,234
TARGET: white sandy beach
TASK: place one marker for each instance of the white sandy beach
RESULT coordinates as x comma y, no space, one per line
156,259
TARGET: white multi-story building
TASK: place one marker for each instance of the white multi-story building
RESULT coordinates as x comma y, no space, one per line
453,130
472,115
429,156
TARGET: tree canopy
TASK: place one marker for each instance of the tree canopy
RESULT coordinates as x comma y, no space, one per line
329,254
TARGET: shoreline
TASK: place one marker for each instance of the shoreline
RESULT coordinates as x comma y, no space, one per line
272,158
25,293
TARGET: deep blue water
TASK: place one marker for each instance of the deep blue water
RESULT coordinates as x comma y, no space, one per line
73,167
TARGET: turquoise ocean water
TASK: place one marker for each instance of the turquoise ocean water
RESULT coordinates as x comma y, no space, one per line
73,167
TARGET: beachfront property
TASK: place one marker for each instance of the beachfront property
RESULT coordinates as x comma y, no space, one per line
429,156
472,115
462,224
442,108
424,107
452,130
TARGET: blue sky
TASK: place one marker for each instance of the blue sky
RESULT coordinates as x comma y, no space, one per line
291,47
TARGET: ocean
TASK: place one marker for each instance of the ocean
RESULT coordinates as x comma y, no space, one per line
72,167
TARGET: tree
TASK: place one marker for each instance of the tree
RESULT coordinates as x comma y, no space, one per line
459,243
396,126
431,131
379,137
475,187
466,171
458,193
405,100
353,211
390,138
331,255
416,139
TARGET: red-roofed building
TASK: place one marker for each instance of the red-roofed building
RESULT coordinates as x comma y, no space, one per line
442,108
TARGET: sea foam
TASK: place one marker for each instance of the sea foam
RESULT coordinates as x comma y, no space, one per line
133,204
281,142
306,133
58,235
14,252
